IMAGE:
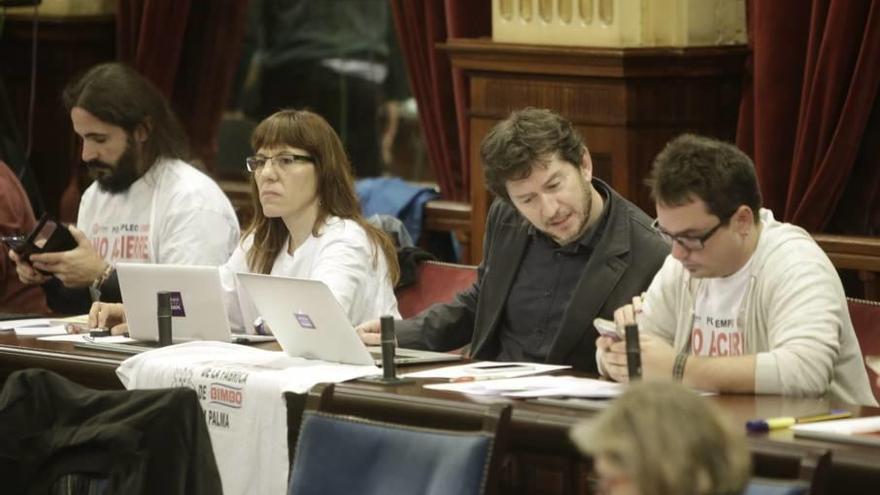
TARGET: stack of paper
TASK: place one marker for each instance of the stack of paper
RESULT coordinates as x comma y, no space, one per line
865,431
34,327
537,386
485,370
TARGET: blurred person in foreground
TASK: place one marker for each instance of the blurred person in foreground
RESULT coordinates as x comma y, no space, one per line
663,439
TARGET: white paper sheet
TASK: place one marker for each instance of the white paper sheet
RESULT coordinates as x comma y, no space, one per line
32,331
536,386
28,322
82,337
486,370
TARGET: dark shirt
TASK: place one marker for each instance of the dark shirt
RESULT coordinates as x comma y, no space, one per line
541,292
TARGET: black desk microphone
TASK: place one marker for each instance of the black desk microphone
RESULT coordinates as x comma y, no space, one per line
389,345
389,369
633,353
163,317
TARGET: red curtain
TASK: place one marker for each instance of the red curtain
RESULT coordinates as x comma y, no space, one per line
189,49
807,117
440,91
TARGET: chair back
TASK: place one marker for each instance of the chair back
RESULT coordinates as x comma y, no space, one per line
339,454
769,486
784,470
436,282
62,438
865,316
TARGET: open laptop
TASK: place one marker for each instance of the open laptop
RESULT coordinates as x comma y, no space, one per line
198,310
308,322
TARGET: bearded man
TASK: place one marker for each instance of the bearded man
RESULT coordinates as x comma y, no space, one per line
561,248
147,204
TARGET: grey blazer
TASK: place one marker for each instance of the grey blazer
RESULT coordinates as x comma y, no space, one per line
626,257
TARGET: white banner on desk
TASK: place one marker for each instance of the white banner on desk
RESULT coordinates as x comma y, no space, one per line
240,389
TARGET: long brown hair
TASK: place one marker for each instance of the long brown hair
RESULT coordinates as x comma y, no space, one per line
335,187
118,95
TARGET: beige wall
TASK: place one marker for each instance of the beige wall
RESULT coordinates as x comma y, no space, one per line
64,8
619,23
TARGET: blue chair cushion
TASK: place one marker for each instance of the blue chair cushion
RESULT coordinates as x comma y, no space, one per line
758,486
343,455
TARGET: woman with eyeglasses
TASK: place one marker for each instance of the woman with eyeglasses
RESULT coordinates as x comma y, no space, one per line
307,224
660,438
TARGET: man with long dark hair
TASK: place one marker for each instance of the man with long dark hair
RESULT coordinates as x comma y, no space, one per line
147,204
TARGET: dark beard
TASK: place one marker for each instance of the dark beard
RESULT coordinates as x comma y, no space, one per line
116,179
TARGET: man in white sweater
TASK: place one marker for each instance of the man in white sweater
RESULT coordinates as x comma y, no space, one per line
147,204
744,303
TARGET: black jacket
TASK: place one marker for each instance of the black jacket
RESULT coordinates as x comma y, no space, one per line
142,441
627,255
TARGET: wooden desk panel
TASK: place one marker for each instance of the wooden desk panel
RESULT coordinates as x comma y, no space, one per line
540,459
94,369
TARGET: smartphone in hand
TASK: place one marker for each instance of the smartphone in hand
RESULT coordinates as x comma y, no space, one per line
607,328
13,242
48,236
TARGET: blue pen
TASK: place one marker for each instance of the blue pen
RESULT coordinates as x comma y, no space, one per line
758,425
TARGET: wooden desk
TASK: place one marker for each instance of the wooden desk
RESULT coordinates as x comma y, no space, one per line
94,369
541,459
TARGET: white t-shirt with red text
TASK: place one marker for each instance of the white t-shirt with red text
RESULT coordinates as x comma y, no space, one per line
174,214
718,324
342,256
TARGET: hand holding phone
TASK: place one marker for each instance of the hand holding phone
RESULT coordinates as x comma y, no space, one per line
48,236
12,242
607,328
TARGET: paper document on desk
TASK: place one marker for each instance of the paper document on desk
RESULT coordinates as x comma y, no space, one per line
862,431
537,386
36,330
30,327
486,369
27,322
84,337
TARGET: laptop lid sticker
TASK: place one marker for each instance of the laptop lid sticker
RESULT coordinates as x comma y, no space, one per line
304,320
177,305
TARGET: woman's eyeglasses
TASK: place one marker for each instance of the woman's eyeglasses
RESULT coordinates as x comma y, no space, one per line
283,161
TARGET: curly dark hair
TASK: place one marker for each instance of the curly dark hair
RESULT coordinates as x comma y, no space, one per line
716,172
529,136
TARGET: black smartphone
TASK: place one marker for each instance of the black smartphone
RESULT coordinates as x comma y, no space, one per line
13,242
48,236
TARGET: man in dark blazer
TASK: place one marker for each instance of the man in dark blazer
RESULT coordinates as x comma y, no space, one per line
560,249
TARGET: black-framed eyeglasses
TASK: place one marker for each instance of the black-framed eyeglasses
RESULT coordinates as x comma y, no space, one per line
689,242
282,161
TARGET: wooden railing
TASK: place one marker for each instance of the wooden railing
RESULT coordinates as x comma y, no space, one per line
858,253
